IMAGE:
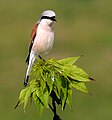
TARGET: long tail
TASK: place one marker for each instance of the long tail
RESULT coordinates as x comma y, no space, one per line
27,59
31,61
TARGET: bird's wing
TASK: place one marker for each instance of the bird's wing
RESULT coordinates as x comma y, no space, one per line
33,34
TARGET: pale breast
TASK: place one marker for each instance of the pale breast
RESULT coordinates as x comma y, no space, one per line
43,41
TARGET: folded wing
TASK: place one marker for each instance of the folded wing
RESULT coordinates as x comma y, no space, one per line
33,34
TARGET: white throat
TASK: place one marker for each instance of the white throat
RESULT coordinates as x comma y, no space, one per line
47,22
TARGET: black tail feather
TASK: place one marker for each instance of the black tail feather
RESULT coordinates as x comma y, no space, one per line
26,81
27,59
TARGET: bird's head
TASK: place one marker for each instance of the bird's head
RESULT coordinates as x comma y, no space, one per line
48,17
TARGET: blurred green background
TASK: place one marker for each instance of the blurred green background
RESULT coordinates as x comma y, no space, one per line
84,27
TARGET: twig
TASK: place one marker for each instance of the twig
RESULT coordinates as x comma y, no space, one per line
53,108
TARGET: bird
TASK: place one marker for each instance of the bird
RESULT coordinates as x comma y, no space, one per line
41,40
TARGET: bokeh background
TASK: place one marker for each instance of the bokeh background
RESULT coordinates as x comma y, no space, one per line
84,27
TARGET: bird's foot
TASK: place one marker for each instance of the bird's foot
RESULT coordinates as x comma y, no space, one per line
41,58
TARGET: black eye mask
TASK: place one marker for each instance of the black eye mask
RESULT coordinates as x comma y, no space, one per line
47,17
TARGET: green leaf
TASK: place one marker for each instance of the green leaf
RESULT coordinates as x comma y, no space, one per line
63,93
80,86
38,102
42,94
63,97
42,84
22,95
77,73
55,89
69,97
42,74
27,96
46,97
69,61
49,82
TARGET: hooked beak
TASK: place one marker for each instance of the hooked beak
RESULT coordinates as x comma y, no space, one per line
54,20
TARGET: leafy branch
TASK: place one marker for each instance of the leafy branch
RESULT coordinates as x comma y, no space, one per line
52,82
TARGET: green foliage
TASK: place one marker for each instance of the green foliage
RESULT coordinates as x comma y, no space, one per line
54,79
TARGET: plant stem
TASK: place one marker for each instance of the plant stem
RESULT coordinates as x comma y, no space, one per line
53,108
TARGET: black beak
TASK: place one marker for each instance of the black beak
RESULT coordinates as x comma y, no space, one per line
54,20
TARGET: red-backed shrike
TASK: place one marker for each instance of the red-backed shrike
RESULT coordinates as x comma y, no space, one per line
42,39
